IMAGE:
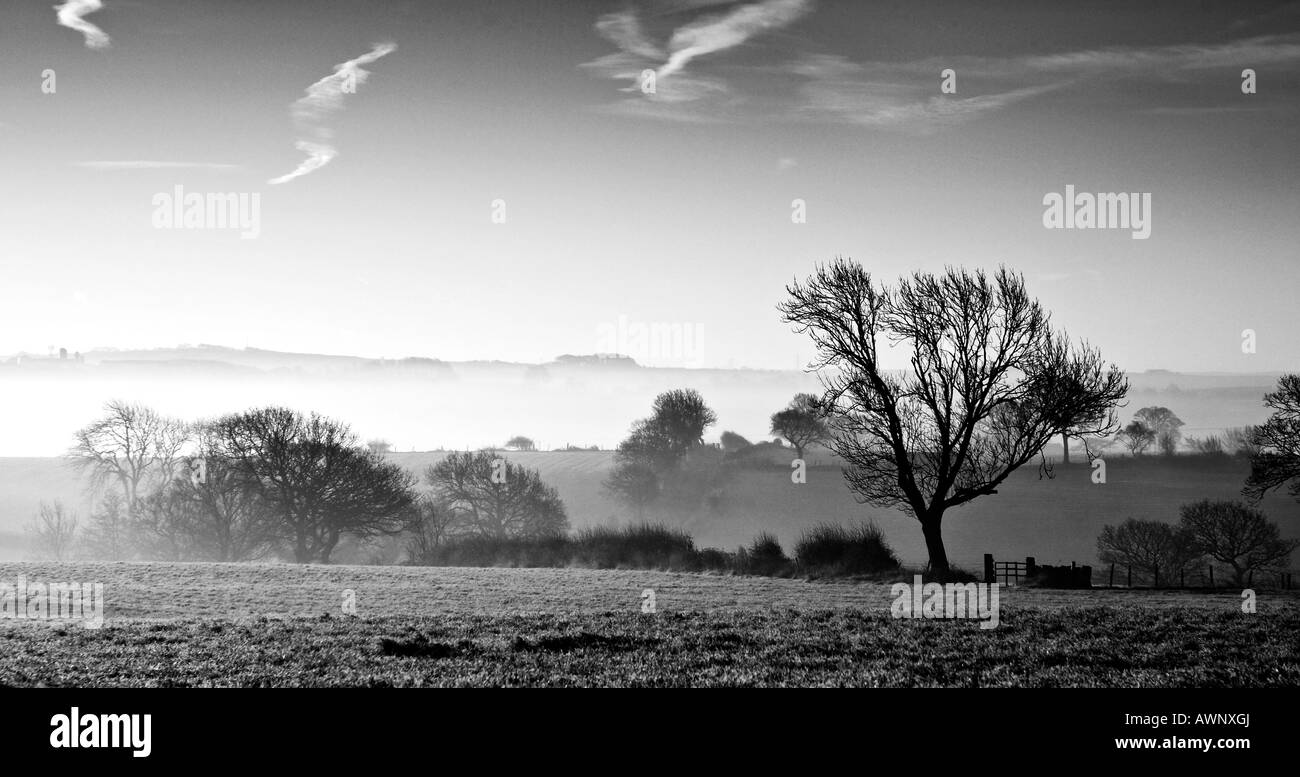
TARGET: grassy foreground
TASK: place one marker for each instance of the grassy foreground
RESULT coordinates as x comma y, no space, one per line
281,625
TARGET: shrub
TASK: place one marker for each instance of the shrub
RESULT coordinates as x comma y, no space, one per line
764,556
640,546
831,549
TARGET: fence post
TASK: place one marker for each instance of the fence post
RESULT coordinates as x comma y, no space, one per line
988,568
1031,568
1111,584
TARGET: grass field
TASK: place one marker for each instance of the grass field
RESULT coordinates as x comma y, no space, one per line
283,625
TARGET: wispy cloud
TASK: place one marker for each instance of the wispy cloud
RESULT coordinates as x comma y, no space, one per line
323,98
725,31
893,95
901,95
153,164
675,86
70,15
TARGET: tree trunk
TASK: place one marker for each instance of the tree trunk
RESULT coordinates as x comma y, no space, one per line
300,552
1065,448
934,544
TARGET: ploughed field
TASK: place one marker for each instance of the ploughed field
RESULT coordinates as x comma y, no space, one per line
287,625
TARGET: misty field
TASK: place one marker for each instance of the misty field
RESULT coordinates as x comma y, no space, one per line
284,625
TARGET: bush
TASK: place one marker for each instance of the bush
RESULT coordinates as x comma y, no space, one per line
764,556
640,546
831,549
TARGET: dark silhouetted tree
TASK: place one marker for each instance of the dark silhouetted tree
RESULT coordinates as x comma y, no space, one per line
1137,437
310,471
1159,549
1238,536
989,385
801,423
1277,461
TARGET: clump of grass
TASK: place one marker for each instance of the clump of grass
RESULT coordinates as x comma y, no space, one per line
764,556
828,550
640,546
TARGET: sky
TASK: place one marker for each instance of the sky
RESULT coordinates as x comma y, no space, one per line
491,181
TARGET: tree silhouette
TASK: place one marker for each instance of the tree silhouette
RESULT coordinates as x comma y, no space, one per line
989,384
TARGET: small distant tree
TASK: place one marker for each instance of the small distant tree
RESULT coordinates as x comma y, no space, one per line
1238,536
1277,461
378,445
733,443
110,534
1211,445
634,483
496,498
1137,437
520,443
680,417
1240,440
433,525
52,532
1165,425
657,446
802,423
1153,547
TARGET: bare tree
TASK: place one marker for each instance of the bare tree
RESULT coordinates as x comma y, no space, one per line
110,534
213,513
1237,535
1241,440
1149,546
434,525
496,498
1277,461
53,532
132,446
801,423
310,471
990,384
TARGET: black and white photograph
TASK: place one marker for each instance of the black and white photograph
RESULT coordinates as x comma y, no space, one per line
631,344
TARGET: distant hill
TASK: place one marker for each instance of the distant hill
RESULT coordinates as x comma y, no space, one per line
422,403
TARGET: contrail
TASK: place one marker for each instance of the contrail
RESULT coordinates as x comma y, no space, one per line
70,14
323,98
723,32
